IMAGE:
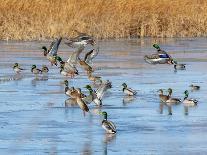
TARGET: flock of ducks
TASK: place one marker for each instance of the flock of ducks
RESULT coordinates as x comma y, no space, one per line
69,69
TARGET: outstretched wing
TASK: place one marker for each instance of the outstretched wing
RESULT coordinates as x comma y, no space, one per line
54,47
74,56
88,55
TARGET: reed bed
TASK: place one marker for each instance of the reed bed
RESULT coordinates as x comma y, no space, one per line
43,19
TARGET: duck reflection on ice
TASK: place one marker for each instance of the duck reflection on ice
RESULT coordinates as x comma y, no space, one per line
128,99
36,79
169,107
108,138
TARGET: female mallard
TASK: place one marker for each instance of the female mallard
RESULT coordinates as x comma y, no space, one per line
172,100
194,87
93,78
93,95
189,102
81,40
35,70
163,97
108,125
128,91
178,66
85,65
45,69
51,53
17,68
81,102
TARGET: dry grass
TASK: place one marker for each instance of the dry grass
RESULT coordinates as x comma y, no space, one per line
42,19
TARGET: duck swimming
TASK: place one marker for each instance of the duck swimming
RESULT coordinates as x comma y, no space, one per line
189,102
163,98
108,125
194,87
127,90
45,69
94,96
35,70
17,69
172,100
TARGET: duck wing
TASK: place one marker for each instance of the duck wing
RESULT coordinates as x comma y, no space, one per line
109,126
54,47
74,56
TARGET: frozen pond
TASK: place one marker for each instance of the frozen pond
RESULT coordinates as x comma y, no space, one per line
34,119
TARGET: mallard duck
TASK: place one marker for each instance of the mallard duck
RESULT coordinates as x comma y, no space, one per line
81,102
85,66
51,53
17,68
163,97
93,78
178,66
194,87
172,100
45,69
93,95
108,125
81,40
35,70
89,56
160,58
70,73
128,91
189,102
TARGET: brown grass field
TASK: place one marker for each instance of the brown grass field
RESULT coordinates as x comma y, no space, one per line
43,19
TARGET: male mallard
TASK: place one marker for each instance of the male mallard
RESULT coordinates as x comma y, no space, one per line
45,69
93,95
172,100
35,70
90,55
81,40
17,68
160,58
128,91
189,102
81,102
163,97
51,53
178,66
93,78
194,87
108,125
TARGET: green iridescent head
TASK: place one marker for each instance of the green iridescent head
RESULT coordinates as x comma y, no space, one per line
156,46
124,85
16,65
104,114
66,82
34,66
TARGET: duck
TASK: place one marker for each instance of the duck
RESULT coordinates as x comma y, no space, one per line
161,57
93,78
89,56
128,91
163,98
94,97
51,53
172,100
17,69
107,125
72,92
189,102
194,87
178,66
45,69
81,102
81,40
70,73
85,65
35,70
